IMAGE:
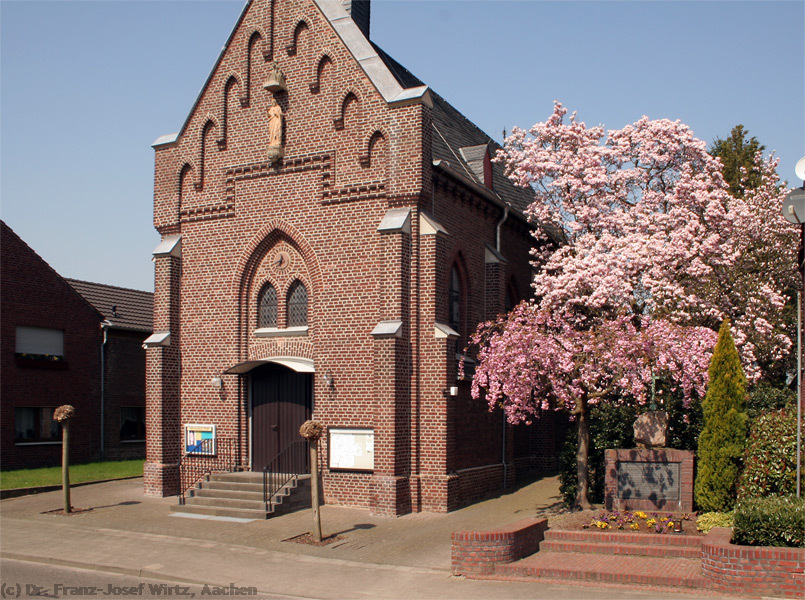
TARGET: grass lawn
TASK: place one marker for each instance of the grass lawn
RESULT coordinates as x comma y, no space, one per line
96,471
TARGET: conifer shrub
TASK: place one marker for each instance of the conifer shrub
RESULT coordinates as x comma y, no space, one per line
705,522
723,438
771,521
770,461
765,398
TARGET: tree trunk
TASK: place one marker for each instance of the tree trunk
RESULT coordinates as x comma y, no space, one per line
65,465
314,488
582,501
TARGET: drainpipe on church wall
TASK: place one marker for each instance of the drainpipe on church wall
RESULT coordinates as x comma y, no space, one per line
104,328
503,436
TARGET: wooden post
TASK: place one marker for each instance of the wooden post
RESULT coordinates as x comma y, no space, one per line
312,431
314,487
65,465
62,415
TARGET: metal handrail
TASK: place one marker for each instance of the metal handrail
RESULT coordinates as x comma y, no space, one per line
283,468
206,457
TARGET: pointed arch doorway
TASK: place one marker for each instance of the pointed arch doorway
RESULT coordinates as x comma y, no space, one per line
281,400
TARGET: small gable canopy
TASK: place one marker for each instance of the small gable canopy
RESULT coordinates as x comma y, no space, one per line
296,363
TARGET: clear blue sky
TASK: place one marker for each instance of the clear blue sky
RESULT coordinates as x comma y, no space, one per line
87,87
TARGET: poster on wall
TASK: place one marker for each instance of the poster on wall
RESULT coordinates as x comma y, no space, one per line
199,439
352,449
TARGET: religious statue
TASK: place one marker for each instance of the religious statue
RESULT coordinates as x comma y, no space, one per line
275,120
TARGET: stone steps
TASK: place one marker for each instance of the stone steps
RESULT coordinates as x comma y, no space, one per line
645,570
623,544
627,558
240,495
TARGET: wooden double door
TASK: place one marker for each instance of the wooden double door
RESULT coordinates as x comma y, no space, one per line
282,400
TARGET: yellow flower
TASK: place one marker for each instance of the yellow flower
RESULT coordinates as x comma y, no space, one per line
635,526
651,522
670,524
640,514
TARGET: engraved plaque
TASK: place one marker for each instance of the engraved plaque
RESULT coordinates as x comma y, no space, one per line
648,480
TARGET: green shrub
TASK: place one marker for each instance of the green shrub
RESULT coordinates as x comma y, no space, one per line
765,398
772,521
705,522
722,441
770,462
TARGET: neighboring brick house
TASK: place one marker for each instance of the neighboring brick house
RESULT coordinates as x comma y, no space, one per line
52,354
332,232
127,318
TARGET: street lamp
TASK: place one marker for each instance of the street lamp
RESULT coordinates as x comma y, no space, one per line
794,212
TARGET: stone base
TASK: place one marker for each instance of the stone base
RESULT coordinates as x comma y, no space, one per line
649,479
160,479
391,496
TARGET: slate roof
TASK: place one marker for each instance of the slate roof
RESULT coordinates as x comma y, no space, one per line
460,142
125,308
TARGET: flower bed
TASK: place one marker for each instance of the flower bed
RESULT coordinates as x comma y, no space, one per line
626,521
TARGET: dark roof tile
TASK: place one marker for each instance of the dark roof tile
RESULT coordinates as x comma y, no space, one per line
123,307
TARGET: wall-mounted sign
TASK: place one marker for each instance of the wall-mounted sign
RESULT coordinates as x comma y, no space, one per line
199,439
352,449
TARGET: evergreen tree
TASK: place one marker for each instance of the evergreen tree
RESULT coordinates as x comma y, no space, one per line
721,444
736,152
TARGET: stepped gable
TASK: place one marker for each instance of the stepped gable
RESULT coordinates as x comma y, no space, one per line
125,308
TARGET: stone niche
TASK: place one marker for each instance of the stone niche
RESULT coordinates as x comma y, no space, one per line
649,479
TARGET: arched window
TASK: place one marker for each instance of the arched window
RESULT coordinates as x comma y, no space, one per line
267,315
454,299
297,304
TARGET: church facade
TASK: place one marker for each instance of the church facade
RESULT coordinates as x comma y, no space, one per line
332,233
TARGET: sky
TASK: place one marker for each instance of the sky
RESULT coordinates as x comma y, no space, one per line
87,86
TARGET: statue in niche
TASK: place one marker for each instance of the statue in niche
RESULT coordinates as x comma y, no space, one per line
275,121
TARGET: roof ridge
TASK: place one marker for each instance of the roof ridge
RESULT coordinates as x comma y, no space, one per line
108,285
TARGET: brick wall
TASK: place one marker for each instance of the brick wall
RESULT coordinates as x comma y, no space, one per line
349,157
124,365
36,296
479,552
752,570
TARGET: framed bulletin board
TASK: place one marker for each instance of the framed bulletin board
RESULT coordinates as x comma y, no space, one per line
199,439
351,449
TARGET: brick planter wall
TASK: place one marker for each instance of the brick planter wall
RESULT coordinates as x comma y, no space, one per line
755,570
479,552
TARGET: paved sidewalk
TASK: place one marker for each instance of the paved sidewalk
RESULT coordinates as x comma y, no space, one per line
407,557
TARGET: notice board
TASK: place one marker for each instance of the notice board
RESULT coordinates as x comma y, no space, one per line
352,449
199,439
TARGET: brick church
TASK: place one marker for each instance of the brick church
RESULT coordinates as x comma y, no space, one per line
332,233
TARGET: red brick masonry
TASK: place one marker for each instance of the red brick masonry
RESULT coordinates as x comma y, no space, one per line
754,570
479,552
748,570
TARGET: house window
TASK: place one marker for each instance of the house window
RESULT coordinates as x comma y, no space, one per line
35,424
297,305
39,343
132,424
267,316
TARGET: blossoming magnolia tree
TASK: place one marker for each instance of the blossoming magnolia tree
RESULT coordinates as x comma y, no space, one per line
650,260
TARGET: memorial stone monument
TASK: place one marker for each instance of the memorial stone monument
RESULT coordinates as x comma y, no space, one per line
649,477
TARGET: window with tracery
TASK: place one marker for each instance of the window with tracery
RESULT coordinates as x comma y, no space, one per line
267,315
297,305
